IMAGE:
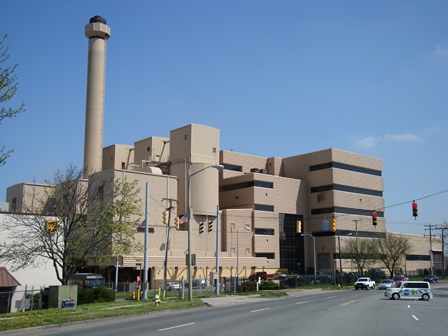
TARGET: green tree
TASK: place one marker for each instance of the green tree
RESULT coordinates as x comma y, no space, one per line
392,249
76,221
362,252
8,88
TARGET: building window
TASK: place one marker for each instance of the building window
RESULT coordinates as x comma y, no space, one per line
14,204
263,207
339,187
250,184
350,211
232,167
264,232
123,165
265,255
345,167
416,257
148,149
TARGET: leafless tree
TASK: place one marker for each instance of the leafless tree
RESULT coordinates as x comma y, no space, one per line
362,253
8,88
77,220
392,249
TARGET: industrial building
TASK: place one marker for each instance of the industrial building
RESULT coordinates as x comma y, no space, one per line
253,214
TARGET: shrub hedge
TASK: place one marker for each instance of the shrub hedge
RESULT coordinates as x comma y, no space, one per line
94,295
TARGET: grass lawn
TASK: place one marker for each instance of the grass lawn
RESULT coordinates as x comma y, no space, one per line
120,307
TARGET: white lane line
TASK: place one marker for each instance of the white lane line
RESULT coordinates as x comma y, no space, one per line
331,297
179,326
415,317
409,306
257,310
302,302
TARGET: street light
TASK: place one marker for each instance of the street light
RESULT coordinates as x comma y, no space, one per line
314,243
189,176
357,248
247,228
340,259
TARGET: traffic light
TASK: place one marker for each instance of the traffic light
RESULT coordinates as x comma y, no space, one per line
374,218
210,226
333,225
201,227
177,223
165,217
299,226
414,210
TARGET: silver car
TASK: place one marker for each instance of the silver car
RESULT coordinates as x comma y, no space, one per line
386,283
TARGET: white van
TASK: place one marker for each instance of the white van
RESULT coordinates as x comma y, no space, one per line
410,289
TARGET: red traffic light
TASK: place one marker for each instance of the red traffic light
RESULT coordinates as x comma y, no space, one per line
414,210
374,218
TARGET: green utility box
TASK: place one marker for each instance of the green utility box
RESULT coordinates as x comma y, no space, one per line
64,296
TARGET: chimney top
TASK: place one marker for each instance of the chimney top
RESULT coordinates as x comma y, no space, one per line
97,18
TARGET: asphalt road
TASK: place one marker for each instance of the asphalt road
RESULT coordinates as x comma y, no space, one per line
320,313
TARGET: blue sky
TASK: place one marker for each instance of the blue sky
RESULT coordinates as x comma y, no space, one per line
278,78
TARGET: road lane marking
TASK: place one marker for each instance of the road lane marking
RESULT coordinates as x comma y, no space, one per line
179,326
302,302
348,302
415,317
331,297
409,306
257,310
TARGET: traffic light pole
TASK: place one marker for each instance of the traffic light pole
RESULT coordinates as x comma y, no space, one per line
165,261
145,258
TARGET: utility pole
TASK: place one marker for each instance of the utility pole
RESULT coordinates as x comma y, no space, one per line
430,228
443,250
165,262
357,249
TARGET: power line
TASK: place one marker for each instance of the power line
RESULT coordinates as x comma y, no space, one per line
416,199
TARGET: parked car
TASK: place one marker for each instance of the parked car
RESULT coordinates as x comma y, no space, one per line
197,283
386,283
172,286
431,278
399,278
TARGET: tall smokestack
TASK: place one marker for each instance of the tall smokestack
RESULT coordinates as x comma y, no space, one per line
98,32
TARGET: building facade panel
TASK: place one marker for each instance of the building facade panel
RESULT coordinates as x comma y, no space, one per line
356,159
245,161
152,149
359,180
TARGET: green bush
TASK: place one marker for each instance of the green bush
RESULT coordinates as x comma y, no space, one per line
268,285
248,286
93,295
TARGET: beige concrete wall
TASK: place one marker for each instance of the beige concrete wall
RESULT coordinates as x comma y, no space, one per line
155,149
246,161
27,197
118,157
